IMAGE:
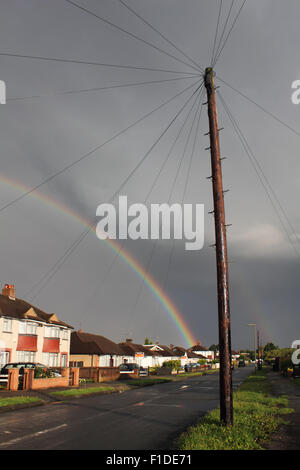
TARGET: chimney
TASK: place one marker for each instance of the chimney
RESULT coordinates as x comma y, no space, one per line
9,291
128,340
171,346
199,343
80,331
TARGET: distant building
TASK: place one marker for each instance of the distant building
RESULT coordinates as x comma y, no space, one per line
27,334
235,355
201,350
161,354
90,350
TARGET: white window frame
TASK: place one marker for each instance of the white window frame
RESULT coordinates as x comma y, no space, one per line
26,356
28,328
52,332
4,358
51,359
65,334
7,325
64,360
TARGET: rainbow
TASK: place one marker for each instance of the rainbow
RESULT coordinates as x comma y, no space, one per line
150,282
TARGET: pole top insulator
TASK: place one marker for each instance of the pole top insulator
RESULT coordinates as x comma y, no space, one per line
209,77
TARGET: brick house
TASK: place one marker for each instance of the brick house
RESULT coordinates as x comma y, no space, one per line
199,349
163,353
27,334
137,353
185,356
89,350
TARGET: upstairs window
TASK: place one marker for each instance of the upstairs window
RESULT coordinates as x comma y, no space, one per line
27,328
65,334
7,325
51,332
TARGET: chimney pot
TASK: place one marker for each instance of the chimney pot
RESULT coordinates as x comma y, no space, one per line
128,340
9,291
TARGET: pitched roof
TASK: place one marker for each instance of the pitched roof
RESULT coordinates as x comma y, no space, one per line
23,310
87,343
191,355
198,347
130,349
160,350
178,351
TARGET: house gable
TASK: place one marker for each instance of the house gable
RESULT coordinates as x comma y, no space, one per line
31,313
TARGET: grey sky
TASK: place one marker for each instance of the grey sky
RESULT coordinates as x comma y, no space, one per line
41,135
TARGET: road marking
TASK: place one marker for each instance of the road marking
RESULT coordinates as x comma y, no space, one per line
31,436
169,405
183,387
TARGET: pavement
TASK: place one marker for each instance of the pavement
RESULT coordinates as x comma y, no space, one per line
288,436
143,419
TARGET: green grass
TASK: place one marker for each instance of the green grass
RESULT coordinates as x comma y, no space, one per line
257,414
77,392
17,401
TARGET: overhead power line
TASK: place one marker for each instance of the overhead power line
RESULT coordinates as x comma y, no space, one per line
216,33
60,262
270,192
229,32
160,34
111,87
171,254
223,31
152,253
91,152
99,64
269,113
128,33
108,271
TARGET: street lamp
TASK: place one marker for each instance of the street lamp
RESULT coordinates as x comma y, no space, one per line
254,326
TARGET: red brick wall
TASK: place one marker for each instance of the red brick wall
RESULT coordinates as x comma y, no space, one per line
109,374
30,383
100,374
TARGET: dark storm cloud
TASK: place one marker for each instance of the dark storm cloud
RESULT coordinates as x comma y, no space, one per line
39,136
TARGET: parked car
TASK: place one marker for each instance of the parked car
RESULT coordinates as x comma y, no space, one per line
129,367
242,363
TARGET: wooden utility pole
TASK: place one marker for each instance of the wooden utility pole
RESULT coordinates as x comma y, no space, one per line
226,408
258,345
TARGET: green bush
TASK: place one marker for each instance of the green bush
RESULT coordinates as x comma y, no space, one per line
285,364
43,373
173,364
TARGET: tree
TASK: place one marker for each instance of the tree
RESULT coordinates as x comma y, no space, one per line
148,341
270,347
214,348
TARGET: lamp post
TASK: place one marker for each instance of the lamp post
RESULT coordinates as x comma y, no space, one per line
254,326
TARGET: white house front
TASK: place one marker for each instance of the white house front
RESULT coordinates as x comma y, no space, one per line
27,334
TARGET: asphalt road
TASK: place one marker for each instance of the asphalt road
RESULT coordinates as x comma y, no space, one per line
143,419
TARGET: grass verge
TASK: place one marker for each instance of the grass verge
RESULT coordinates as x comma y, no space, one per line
11,401
257,414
